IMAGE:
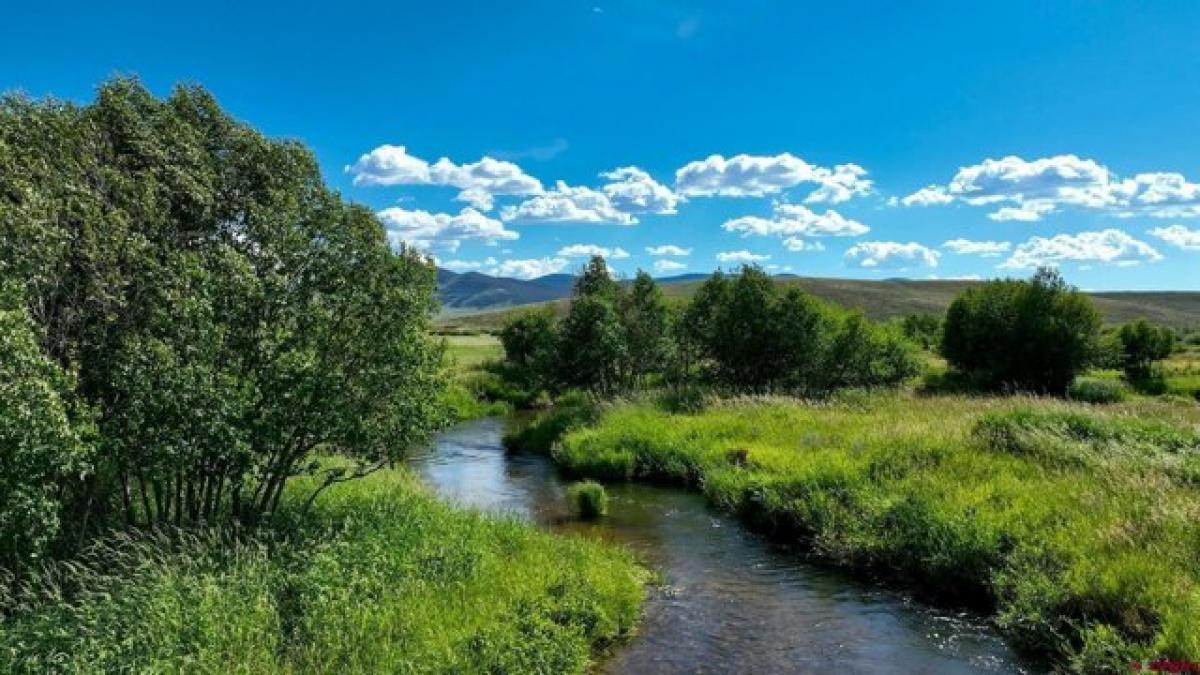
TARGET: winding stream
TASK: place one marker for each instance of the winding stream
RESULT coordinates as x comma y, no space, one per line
731,602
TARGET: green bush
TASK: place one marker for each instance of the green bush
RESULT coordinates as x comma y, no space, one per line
1034,335
1096,391
588,499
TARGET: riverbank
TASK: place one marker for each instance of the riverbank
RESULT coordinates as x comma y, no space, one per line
380,576
1075,526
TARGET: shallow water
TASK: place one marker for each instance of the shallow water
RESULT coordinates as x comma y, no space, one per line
731,602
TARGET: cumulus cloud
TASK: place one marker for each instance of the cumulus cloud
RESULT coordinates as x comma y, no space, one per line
668,266
529,268
1111,246
566,204
632,190
466,265
890,255
798,245
758,175
1028,190
426,230
928,196
589,250
668,249
986,249
478,182
1178,235
795,220
742,256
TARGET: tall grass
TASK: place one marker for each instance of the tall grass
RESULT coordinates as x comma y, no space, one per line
380,577
1079,529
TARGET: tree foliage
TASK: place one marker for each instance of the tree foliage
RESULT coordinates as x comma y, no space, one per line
741,332
1034,335
224,313
1142,344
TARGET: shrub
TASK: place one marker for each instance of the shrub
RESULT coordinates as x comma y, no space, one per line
588,499
1034,335
1142,344
1096,391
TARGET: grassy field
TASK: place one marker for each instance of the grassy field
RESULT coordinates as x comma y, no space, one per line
1078,526
380,577
465,356
891,298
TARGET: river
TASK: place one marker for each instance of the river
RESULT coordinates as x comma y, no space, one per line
730,601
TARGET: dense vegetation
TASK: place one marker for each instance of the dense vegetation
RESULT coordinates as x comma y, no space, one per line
739,333
377,577
197,340
1036,509
1076,528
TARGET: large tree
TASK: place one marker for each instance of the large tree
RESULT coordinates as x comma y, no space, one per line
646,321
226,315
1033,335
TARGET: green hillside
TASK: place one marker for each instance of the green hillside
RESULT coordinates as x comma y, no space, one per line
896,297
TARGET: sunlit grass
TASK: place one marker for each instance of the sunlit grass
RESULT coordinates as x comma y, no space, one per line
1084,540
379,578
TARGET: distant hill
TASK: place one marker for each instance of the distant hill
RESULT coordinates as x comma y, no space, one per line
483,303
472,291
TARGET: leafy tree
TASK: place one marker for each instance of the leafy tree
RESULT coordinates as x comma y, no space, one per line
530,342
46,450
1142,344
226,314
745,342
922,329
646,323
592,349
695,331
1034,335
592,345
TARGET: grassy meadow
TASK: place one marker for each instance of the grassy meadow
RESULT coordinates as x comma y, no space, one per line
1078,526
379,577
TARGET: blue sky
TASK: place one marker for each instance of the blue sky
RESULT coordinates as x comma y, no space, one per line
882,140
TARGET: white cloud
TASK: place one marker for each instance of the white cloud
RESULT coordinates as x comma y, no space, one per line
460,265
1027,212
589,250
793,220
528,268
797,245
1028,190
425,230
956,277
928,196
742,256
844,182
668,266
668,249
757,175
986,249
1110,246
1178,235
478,182
891,255
566,204
632,190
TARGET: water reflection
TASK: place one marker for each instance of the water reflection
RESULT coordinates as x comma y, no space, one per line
731,602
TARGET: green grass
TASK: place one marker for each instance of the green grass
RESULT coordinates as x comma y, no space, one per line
588,499
1079,529
380,577
468,381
